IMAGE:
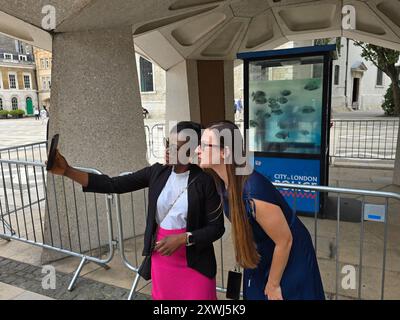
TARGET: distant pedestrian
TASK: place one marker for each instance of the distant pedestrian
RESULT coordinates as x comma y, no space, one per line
43,115
37,114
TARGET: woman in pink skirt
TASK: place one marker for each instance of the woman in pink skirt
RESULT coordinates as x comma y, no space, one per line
184,216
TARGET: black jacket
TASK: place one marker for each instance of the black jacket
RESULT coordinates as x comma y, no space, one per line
205,218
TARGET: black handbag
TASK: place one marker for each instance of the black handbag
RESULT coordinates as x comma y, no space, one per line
234,284
145,268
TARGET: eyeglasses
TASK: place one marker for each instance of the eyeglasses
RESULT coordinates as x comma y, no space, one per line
205,145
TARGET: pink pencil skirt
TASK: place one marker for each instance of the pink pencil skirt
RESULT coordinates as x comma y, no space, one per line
172,279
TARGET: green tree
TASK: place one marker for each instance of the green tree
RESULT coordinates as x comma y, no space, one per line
325,41
384,59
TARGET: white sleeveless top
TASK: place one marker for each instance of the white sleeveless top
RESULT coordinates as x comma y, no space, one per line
177,216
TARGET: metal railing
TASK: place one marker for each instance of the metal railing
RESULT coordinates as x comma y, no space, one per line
364,139
297,192
45,214
28,152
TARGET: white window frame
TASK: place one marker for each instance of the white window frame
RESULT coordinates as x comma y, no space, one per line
42,63
47,63
336,67
22,57
12,107
1,81
139,77
16,81
383,79
30,80
8,56
46,82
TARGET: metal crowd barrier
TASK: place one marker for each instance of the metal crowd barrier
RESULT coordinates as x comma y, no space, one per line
297,191
25,214
28,152
350,139
364,139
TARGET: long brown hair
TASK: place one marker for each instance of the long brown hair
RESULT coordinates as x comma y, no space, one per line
242,234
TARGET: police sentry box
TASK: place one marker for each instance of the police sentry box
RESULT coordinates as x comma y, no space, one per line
287,104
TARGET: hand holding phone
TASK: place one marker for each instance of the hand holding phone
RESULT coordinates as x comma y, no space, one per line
52,153
56,163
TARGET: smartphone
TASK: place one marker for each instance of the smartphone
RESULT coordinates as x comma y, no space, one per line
52,153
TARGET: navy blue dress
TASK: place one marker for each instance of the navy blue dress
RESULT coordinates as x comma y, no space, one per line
301,279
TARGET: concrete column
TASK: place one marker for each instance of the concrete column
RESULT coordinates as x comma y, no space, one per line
182,94
396,174
200,90
96,109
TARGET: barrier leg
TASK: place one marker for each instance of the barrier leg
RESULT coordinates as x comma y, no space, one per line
134,286
76,274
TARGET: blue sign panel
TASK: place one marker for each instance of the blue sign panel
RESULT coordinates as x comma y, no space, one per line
294,171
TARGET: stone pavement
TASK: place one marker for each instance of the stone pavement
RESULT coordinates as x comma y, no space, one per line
22,281
17,132
8,292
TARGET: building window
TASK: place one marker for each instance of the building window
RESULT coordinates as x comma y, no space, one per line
318,70
20,47
13,81
27,81
42,63
46,83
8,56
379,78
146,75
22,57
14,103
337,74
1,104
47,63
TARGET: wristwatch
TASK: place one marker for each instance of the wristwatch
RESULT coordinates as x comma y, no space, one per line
189,239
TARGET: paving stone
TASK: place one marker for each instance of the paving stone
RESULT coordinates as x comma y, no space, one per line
29,277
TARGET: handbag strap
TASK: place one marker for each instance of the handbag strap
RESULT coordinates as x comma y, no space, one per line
179,195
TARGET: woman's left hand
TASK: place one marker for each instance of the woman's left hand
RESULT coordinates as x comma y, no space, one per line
170,244
273,292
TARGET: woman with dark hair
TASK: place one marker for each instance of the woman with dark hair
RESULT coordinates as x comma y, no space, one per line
270,241
184,217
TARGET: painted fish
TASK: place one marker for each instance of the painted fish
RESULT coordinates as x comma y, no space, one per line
277,112
259,97
312,85
308,109
286,93
305,132
282,100
282,135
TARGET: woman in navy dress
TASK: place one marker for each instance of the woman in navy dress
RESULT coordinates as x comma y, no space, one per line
271,243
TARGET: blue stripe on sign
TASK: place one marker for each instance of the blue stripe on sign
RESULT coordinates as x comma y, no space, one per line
375,217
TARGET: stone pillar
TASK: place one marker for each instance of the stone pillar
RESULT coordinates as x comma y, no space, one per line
96,109
200,90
